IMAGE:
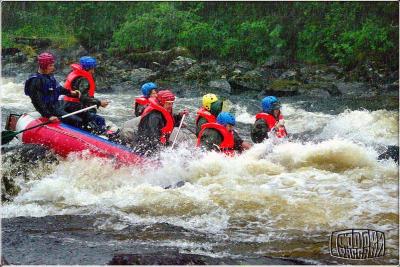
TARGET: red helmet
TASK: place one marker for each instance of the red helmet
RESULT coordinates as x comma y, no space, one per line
45,59
164,96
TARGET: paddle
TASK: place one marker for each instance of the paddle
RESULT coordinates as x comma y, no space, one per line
180,126
7,136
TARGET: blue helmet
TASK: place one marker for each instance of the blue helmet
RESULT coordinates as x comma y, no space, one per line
270,103
225,118
147,87
88,62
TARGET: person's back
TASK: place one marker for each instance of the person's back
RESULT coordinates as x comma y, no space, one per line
220,136
44,93
211,139
269,120
44,90
157,123
148,135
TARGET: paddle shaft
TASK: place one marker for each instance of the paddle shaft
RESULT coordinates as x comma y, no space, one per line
78,111
62,117
179,129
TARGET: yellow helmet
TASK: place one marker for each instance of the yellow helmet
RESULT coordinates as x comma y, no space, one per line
208,99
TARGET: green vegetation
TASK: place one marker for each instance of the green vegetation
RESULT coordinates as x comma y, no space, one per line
314,32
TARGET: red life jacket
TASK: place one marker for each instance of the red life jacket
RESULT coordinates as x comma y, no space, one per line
169,126
227,143
271,122
203,113
142,101
78,71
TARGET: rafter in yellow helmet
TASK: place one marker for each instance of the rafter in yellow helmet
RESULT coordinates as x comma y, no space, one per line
208,99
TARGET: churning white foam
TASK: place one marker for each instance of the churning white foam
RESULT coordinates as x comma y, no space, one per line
369,127
13,96
335,183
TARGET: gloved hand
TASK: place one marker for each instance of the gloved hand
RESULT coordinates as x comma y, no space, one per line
53,119
184,112
76,93
279,124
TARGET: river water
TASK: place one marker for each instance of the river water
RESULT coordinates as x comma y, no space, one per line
279,199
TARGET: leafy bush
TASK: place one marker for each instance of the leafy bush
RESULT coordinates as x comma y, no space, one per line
370,41
201,38
310,45
344,32
157,29
254,39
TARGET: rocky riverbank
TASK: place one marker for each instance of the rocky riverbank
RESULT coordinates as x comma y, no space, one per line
178,69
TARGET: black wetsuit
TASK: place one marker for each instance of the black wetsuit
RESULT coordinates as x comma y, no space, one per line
50,107
88,120
148,136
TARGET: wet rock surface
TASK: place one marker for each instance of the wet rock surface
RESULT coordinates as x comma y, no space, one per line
177,258
70,240
21,163
392,152
276,76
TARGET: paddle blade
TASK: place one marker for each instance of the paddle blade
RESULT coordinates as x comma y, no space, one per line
7,136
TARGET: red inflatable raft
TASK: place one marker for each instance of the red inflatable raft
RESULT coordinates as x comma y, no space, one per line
64,139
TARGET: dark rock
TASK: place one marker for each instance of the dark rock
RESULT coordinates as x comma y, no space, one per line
335,69
206,71
10,51
358,89
20,58
10,69
283,87
177,258
220,86
155,66
251,80
197,73
180,64
319,89
390,87
320,73
141,75
157,259
118,64
276,62
68,56
332,89
393,77
21,162
289,75
243,66
176,185
392,152
33,41
368,71
270,74
161,57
